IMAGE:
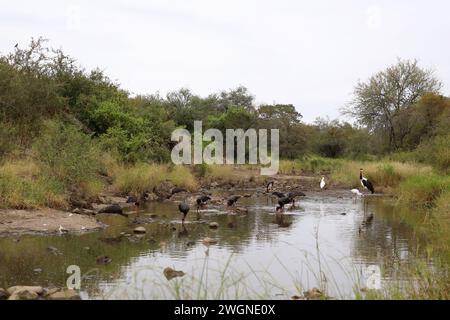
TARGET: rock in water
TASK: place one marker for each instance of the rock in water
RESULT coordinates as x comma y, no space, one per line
64,294
139,230
3,294
170,273
213,225
114,209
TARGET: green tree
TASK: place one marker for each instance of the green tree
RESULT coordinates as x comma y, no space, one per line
379,102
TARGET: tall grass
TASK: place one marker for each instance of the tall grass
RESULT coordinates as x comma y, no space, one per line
223,174
385,175
312,164
144,177
23,187
422,190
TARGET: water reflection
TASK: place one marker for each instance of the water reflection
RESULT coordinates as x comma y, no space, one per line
325,241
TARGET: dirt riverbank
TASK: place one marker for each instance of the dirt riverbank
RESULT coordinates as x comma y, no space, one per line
44,221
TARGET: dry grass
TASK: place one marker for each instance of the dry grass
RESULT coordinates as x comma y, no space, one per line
183,177
223,174
22,186
145,177
385,175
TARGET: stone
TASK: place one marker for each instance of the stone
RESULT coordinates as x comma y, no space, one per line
139,230
3,294
170,273
36,289
23,294
80,203
213,225
114,208
64,294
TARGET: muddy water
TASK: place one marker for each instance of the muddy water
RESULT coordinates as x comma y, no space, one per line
321,243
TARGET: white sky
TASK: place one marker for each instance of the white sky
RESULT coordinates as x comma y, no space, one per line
310,54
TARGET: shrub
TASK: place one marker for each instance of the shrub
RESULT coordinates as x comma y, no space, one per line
67,154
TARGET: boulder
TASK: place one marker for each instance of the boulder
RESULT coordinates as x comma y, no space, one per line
3,294
36,289
139,230
80,203
213,225
170,273
23,295
63,294
114,209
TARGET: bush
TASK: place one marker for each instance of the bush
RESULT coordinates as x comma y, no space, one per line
67,154
7,143
422,190
436,152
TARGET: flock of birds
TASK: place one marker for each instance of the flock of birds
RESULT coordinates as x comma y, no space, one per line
283,198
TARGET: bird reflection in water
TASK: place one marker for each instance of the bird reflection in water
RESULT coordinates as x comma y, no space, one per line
282,220
183,232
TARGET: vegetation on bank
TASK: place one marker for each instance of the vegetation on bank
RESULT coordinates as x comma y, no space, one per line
68,133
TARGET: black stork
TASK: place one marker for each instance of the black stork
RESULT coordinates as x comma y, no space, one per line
269,186
366,183
231,201
138,202
282,202
202,200
291,195
184,209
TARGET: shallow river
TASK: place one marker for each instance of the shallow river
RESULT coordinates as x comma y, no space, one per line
322,243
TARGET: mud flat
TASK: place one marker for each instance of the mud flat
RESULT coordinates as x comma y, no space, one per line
45,221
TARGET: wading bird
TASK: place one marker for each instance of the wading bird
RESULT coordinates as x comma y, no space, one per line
269,186
356,192
291,195
138,202
366,183
231,201
282,202
322,183
184,209
201,202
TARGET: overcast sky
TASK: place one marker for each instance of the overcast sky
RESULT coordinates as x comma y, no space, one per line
310,54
